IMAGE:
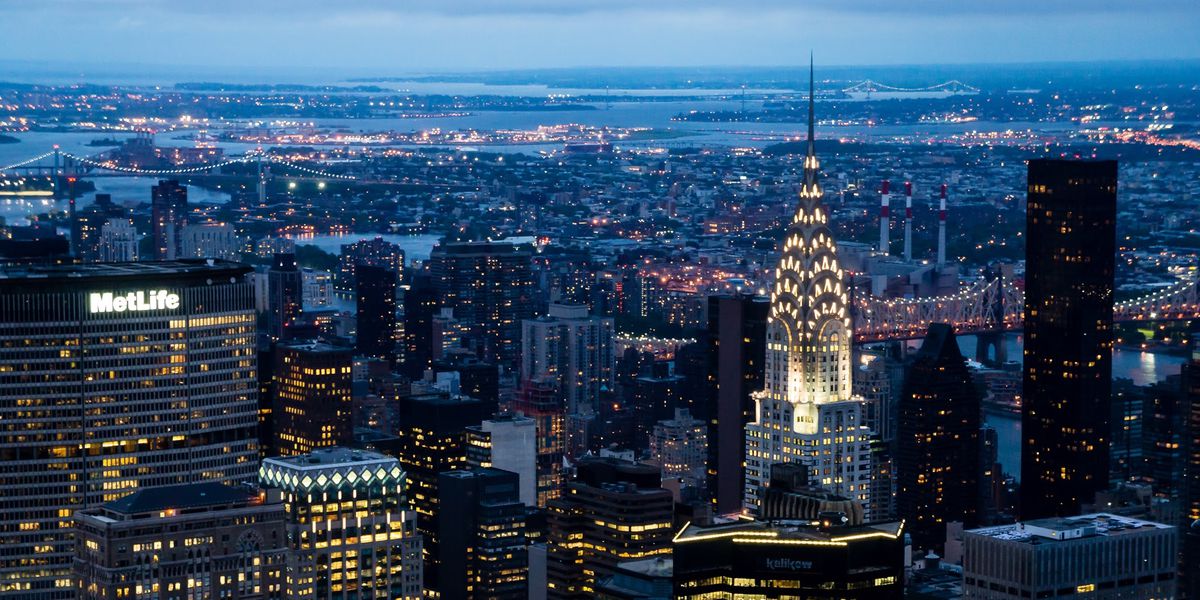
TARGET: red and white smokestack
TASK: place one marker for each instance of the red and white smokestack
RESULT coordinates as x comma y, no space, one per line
907,220
941,249
885,219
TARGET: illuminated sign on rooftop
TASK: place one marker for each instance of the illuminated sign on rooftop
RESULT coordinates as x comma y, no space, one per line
107,302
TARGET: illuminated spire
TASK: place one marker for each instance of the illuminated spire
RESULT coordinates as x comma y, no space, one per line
808,331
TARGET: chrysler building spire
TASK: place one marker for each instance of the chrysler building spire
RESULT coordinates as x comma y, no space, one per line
808,331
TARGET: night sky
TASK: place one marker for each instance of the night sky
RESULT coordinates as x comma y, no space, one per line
407,36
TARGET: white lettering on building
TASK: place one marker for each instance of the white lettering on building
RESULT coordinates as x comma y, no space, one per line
107,302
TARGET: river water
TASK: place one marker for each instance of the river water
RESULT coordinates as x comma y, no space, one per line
1142,367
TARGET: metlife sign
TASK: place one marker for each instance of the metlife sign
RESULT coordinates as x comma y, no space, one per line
143,301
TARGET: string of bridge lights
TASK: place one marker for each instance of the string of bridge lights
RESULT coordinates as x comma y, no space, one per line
180,170
27,161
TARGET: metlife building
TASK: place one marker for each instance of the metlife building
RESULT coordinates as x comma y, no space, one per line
116,377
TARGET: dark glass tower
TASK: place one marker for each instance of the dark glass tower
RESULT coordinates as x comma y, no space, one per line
490,286
481,527
1070,251
937,458
284,289
737,333
375,294
420,304
168,215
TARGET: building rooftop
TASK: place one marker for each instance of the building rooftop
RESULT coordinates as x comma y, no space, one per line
180,497
790,532
1068,528
330,457
121,270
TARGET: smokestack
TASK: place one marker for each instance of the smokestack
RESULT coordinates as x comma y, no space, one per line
941,249
907,220
885,221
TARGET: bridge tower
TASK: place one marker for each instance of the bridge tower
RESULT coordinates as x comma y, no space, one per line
992,342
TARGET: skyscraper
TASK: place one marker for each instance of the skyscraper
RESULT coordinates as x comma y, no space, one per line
209,540
491,289
737,332
285,288
375,294
433,439
574,350
420,305
1191,476
349,531
375,252
509,443
591,525
313,400
481,531
168,215
113,378
937,456
1070,256
805,411
538,400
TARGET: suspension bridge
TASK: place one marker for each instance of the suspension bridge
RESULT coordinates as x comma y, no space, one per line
953,86
997,306
63,163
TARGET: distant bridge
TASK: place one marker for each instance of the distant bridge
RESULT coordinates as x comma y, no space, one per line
68,164
953,86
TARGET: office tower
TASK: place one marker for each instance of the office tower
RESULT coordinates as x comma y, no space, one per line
538,400
34,245
937,449
908,220
491,289
316,288
1070,257
805,411
117,241
115,377
575,351
476,378
447,333
168,215
885,218
879,379
653,396
420,305
375,294
375,252
1126,459
679,447
590,525
1093,556
481,533
90,224
1190,557
757,559
737,334
313,397
284,300
349,530
199,540
793,497
433,439
941,244
210,240
509,443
